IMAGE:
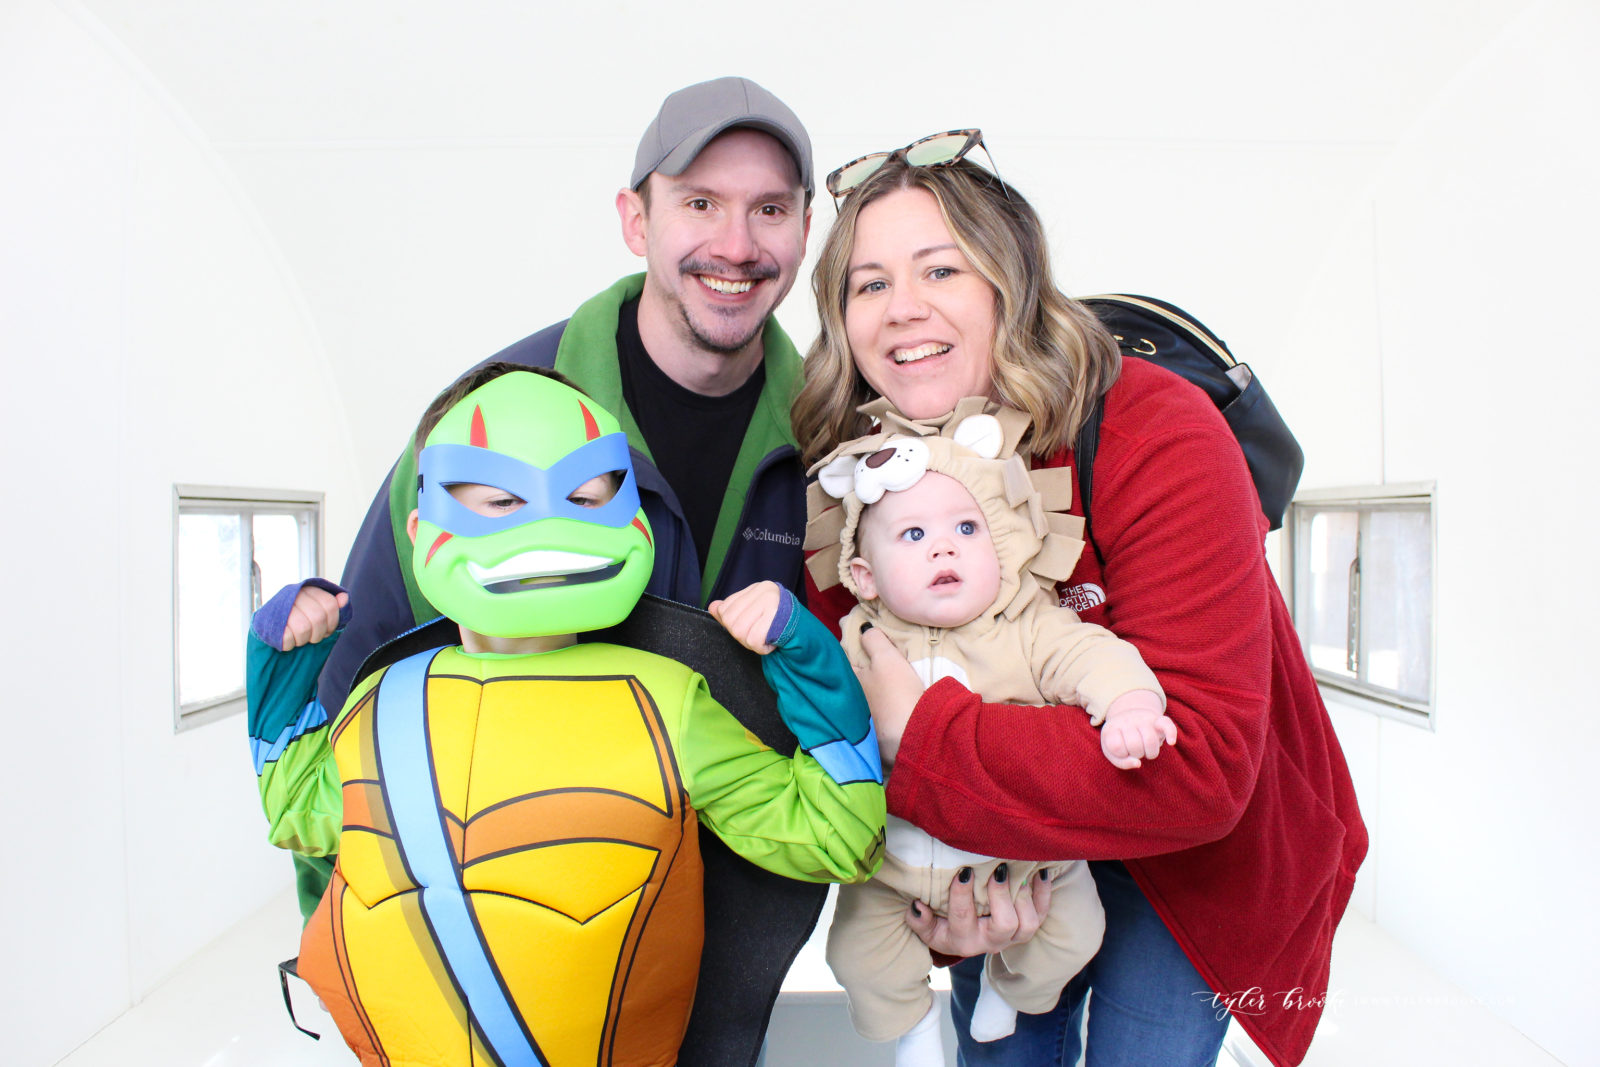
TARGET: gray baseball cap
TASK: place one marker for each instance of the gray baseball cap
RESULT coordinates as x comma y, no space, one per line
691,117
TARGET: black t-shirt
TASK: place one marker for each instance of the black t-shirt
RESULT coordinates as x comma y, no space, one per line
694,439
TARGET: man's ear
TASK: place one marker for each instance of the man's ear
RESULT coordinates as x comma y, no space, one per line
411,525
630,210
861,574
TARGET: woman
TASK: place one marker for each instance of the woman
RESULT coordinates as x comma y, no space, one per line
1238,848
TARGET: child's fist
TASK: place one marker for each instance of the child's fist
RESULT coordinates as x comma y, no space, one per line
748,615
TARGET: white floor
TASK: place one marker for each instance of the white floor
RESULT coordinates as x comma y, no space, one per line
224,1008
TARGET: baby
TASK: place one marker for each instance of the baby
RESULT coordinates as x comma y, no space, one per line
952,554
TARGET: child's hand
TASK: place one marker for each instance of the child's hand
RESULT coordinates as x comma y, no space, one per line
315,615
748,614
1135,729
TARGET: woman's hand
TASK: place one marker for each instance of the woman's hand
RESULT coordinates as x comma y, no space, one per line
892,689
963,932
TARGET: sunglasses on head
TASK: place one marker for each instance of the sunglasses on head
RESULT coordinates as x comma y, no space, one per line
935,150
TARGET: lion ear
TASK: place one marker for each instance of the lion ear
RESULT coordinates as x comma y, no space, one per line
838,477
982,434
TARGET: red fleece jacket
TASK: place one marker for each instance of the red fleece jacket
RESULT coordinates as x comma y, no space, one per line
1245,836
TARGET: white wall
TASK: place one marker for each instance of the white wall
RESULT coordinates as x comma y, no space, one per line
1383,206
1469,269
151,336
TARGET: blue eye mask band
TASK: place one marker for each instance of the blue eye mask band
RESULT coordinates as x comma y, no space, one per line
545,489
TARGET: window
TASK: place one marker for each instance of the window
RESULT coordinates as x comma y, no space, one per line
1362,593
228,546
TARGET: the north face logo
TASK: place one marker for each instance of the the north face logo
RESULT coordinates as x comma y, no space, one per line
1081,598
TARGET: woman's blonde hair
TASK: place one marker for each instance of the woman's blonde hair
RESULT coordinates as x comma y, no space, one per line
1051,358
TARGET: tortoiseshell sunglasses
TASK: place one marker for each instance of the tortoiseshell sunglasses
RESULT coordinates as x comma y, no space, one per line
934,150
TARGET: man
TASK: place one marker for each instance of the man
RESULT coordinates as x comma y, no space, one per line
688,356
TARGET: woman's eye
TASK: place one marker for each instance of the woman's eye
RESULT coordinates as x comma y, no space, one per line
914,533
940,273
968,528
875,286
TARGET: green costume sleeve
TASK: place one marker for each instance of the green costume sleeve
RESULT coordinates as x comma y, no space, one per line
818,695
296,775
786,815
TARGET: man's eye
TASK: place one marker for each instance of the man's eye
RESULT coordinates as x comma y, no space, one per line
913,533
699,203
968,528
771,210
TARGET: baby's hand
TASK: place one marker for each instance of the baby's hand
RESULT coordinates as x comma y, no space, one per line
1135,729
748,614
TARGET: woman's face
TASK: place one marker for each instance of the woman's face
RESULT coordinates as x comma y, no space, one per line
919,318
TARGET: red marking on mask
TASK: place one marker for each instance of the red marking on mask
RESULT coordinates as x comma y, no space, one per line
591,429
639,524
480,435
442,539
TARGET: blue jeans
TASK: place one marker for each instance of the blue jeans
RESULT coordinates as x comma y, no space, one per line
1143,1010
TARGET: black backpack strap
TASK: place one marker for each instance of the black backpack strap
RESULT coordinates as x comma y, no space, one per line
1083,458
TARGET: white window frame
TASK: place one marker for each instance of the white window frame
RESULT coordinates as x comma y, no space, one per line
246,503
1366,500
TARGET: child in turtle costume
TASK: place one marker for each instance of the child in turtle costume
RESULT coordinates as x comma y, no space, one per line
518,877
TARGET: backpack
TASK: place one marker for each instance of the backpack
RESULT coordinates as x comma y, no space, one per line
1168,336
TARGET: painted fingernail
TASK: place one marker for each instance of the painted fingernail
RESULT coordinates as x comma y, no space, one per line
964,875
916,908
1043,875
1000,873
865,627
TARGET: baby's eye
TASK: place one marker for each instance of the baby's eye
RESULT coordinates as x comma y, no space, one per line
913,533
968,527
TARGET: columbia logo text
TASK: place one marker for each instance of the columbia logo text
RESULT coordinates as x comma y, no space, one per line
752,534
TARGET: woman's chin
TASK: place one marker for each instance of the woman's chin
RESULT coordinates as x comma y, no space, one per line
923,403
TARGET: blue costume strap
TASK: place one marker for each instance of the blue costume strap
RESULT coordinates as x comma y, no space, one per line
544,490
406,763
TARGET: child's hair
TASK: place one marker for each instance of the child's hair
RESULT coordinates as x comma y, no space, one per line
475,378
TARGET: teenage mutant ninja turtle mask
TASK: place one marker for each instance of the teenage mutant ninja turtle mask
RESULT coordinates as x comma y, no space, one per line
551,566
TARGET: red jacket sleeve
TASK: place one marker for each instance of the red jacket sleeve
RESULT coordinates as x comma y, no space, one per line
1178,524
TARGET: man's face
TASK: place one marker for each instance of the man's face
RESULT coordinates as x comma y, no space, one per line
722,241
927,553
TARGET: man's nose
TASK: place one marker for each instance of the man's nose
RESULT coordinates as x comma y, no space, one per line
735,241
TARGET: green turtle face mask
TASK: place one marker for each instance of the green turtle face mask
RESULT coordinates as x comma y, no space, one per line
533,558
